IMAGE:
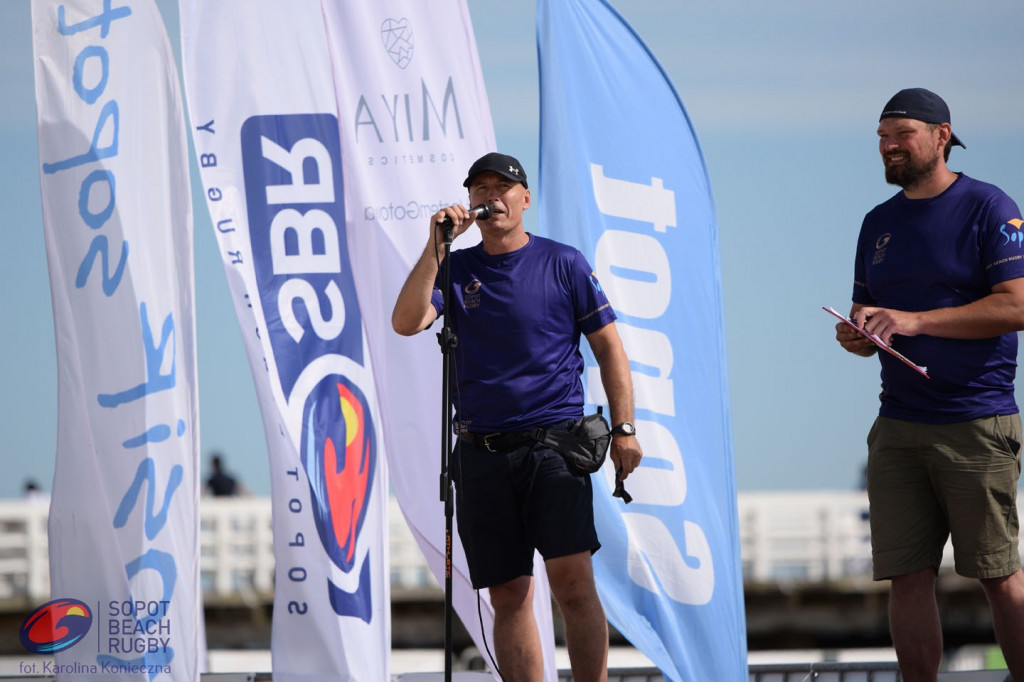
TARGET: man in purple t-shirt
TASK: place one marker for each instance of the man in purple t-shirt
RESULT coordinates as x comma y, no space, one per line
939,276
519,305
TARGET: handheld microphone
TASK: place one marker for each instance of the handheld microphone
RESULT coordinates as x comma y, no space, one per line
481,212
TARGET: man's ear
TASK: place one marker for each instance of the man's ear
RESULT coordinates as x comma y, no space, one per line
945,133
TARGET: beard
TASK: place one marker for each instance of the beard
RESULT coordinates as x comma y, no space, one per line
911,173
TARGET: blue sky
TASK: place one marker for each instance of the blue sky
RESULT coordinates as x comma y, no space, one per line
784,97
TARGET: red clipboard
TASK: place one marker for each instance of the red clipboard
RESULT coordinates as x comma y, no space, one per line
923,371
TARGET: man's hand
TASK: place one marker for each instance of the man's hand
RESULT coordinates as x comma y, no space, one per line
625,454
461,220
885,323
853,342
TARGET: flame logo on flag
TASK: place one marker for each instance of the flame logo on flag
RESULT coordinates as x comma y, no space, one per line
339,454
55,626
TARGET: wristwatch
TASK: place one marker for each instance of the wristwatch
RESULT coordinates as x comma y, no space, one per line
624,429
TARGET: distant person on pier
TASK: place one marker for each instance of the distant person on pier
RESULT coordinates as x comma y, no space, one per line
221,483
33,493
939,277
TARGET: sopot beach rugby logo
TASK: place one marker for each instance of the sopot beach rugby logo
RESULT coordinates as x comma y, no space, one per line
55,626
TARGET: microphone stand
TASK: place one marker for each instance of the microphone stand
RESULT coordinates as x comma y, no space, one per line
448,340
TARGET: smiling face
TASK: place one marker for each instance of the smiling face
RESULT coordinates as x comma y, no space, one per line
910,150
506,197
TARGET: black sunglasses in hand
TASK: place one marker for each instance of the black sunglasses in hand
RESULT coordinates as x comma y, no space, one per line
620,488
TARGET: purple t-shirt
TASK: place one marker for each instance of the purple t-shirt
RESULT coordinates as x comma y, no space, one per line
949,250
518,317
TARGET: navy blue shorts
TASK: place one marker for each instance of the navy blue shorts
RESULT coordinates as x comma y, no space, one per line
509,504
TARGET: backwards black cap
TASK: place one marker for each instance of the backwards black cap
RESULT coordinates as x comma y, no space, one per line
502,164
920,105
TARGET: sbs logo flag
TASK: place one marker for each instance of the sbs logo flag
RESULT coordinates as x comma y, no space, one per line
267,137
117,214
316,244
624,179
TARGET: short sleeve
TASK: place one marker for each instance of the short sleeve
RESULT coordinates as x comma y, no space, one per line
1003,240
861,294
590,303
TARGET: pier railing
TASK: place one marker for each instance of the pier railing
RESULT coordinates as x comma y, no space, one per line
785,538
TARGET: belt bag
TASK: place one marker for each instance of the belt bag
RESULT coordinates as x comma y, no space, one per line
584,446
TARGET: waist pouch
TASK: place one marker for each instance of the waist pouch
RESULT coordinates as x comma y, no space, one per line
584,446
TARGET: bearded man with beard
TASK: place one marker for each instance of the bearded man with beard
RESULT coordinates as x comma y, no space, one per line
939,276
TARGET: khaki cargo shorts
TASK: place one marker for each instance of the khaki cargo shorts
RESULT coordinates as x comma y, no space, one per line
927,482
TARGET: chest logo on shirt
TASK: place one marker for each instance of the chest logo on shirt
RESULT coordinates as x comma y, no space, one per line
880,245
471,293
1012,235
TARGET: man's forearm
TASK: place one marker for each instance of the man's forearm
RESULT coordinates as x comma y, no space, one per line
994,315
412,308
615,375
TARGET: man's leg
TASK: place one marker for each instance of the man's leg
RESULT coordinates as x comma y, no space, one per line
586,630
1006,598
516,642
914,624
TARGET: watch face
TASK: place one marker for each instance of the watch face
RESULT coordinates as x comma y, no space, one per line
626,429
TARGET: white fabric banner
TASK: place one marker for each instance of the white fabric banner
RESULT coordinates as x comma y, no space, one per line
265,127
117,214
414,116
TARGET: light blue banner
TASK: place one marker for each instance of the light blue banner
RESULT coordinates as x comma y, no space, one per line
622,178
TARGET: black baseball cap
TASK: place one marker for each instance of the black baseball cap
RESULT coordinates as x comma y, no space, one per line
502,164
920,105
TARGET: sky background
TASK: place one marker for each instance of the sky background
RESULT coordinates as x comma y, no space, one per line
784,98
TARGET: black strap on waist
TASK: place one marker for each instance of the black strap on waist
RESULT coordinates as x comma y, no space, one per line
502,442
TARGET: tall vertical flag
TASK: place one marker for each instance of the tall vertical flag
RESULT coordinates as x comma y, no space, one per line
624,178
265,127
117,214
372,112
414,116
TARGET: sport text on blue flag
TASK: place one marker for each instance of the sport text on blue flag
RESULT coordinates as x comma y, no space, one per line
624,180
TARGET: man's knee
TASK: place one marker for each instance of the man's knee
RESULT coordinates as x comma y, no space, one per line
571,578
1007,586
512,595
916,581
